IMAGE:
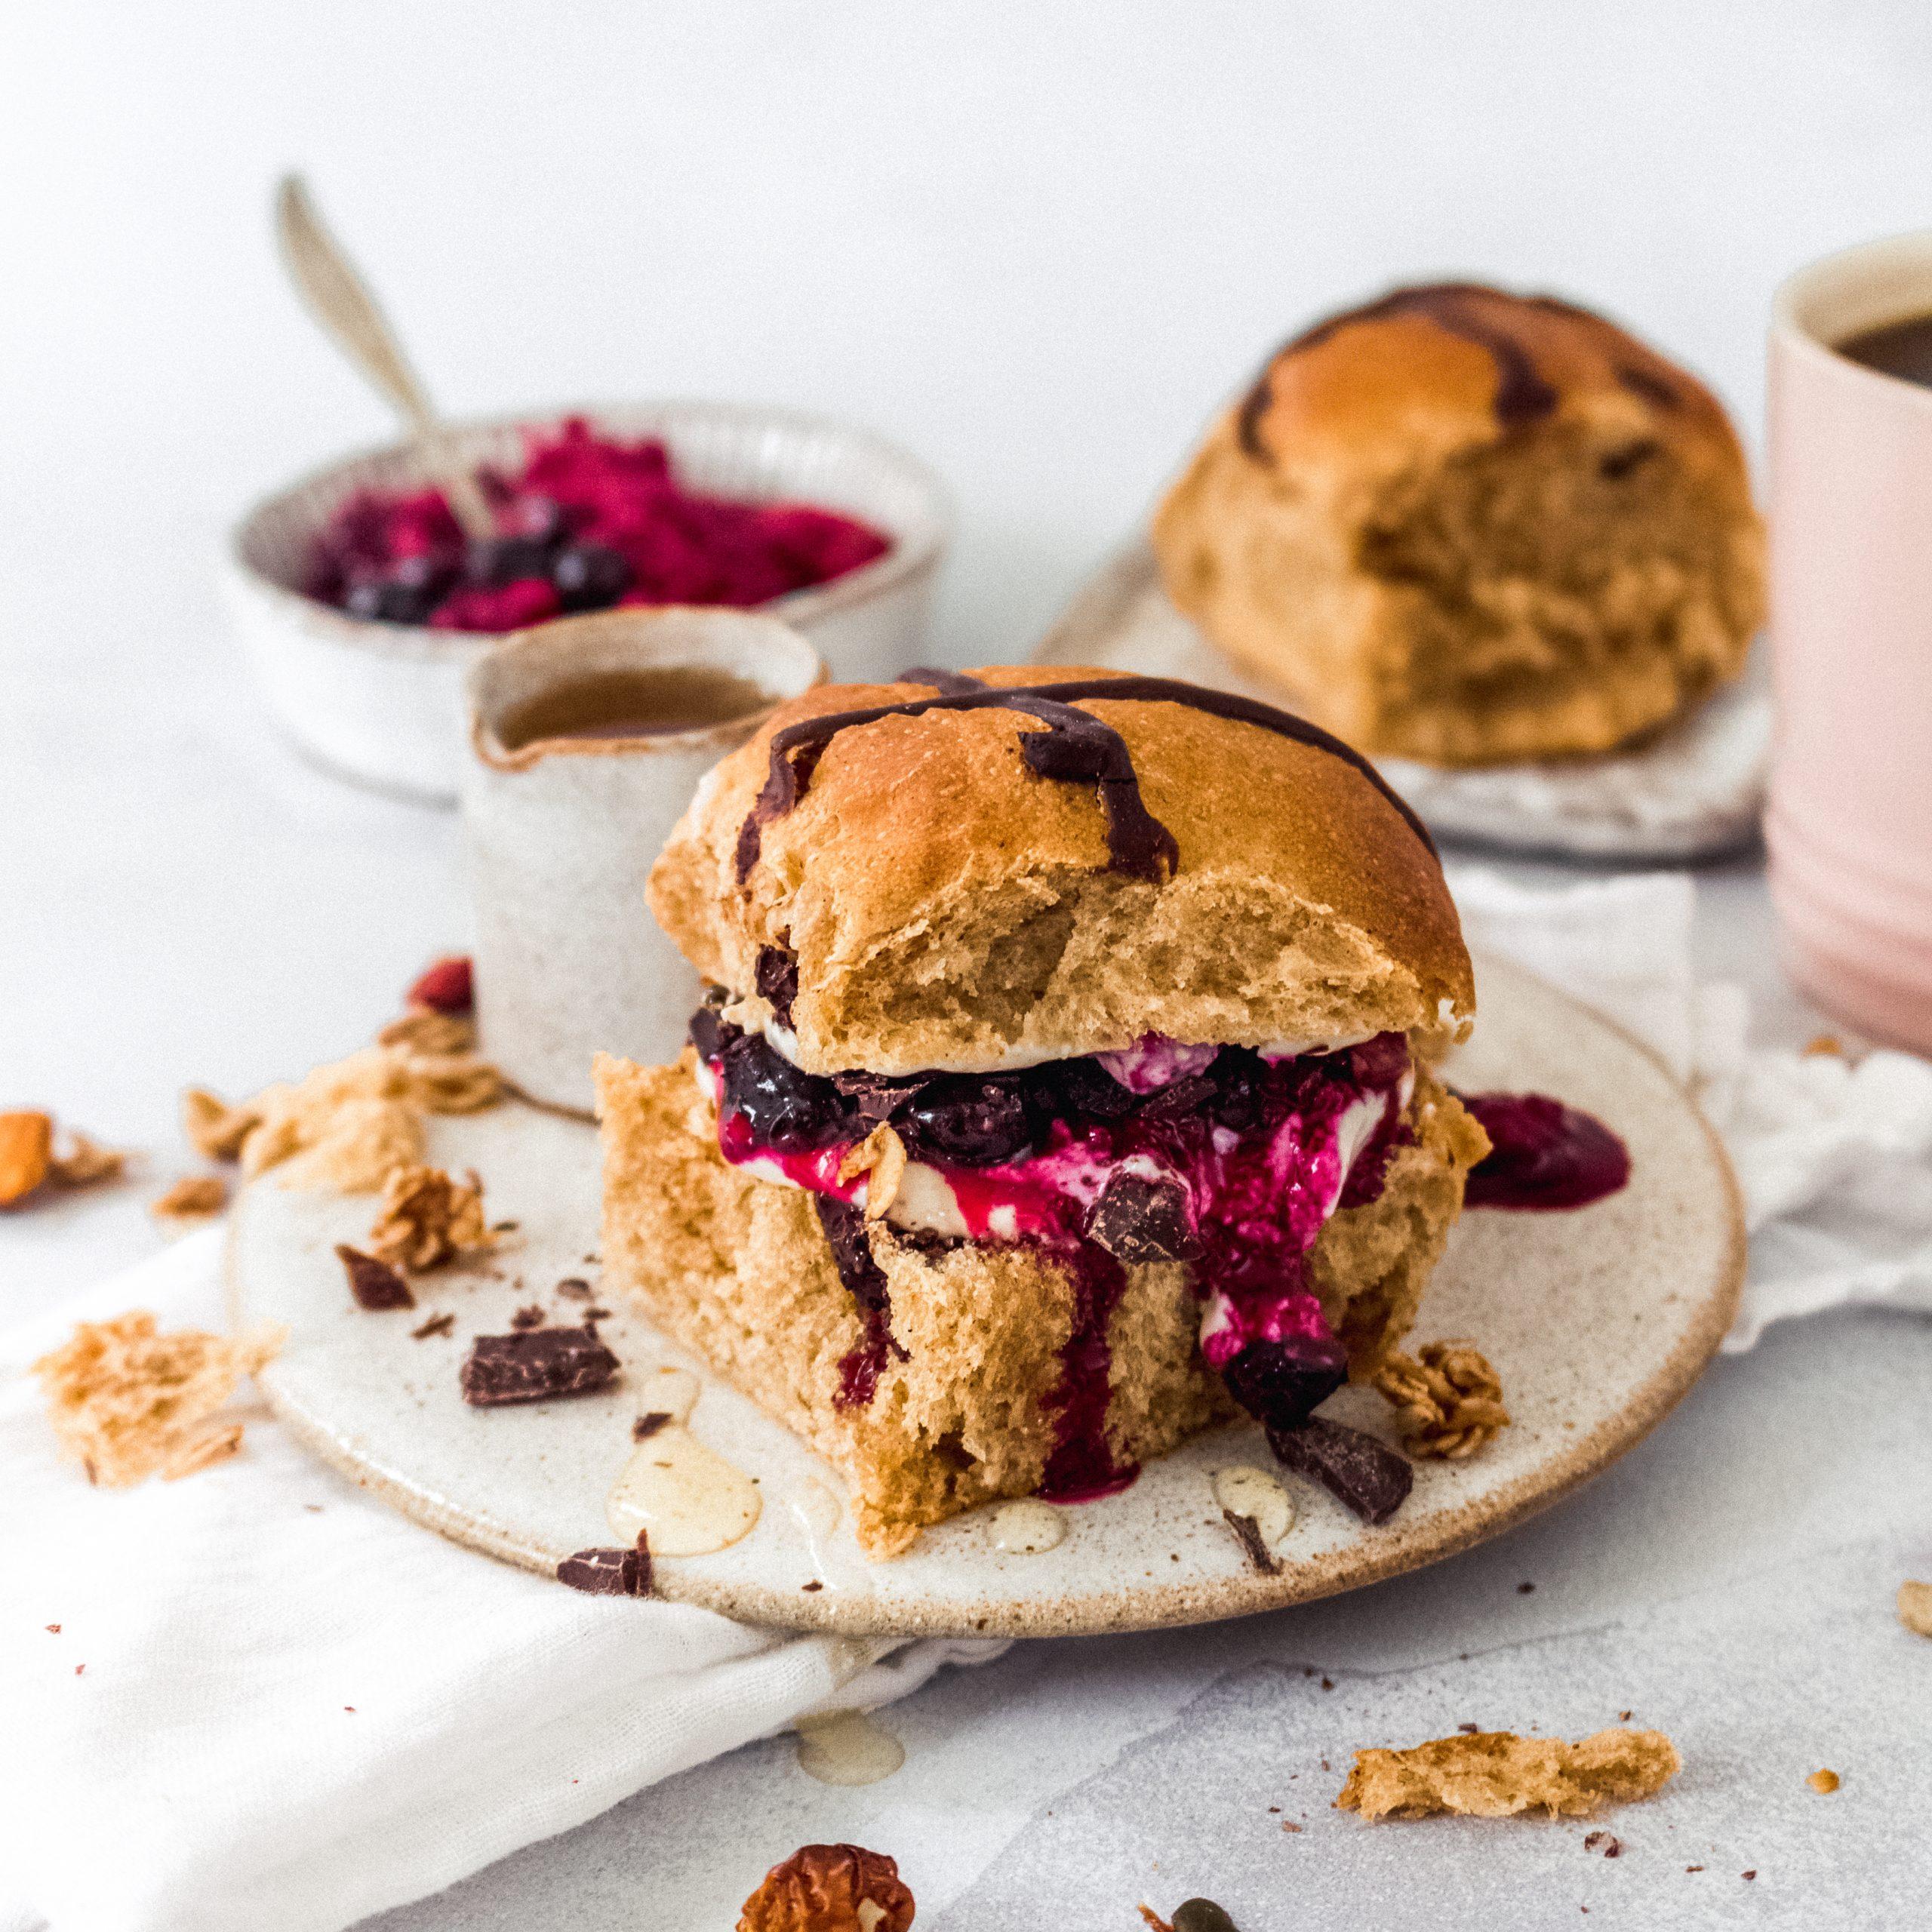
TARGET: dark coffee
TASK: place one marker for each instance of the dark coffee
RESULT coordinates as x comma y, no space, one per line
1904,349
632,704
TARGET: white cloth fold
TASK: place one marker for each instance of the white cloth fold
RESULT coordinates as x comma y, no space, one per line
1833,1156
289,1717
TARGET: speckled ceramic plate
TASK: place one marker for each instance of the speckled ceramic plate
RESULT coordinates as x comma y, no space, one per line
1598,1322
1693,790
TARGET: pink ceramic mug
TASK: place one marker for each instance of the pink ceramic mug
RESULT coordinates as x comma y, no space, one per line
1849,822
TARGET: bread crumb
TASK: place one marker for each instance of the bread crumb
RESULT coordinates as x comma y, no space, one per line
1824,1782
1823,1045
193,1201
428,1219
1496,1774
1914,1602
1450,1401
128,1402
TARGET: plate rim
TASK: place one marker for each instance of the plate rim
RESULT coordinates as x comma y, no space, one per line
1211,1600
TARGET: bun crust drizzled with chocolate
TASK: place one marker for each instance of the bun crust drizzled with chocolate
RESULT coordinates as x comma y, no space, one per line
1064,1087
1470,527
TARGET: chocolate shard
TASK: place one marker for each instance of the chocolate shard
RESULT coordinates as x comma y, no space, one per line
1248,1534
1361,1472
374,1284
535,1365
530,1316
609,1573
646,1426
776,977
1137,1220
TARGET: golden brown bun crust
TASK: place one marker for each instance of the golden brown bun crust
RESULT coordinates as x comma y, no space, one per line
1471,526
945,904
739,1269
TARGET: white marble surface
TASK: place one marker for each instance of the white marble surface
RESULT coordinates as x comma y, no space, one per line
1035,241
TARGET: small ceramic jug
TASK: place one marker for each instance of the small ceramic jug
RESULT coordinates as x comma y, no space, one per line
562,832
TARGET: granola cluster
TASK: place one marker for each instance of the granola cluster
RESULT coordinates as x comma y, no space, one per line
128,1402
428,1219
1451,1399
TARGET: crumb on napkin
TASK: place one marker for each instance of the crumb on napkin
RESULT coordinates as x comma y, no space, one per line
1496,1774
128,1402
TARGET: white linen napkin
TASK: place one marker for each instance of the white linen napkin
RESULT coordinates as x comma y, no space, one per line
1834,1157
258,1714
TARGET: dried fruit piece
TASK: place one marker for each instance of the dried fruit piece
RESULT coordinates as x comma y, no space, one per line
535,1365
1363,1475
1915,1604
215,1128
428,1219
373,1283
1496,1774
192,1200
128,1402
447,985
609,1573
830,1888
26,1149
1450,1400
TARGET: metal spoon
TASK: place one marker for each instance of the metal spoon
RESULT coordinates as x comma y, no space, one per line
338,299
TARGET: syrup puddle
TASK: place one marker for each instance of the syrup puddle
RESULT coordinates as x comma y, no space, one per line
1249,1491
1026,1528
848,1748
685,1498
816,1513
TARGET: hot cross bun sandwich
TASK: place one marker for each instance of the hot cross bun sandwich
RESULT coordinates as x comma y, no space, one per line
1472,527
1064,1087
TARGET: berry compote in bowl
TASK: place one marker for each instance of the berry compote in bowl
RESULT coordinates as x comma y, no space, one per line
361,607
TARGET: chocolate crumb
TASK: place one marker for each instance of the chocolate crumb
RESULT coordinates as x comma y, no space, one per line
530,1316
1623,1717
1363,1475
609,1573
1248,1534
1611,1847
1469,1729
1751,1874
1693,1868
534,1365
437,1324
375,1284
1525,1589
575,1287
596,1315
813,1585
505,1227
1289,1824
1327,1684
647,1426
79,1667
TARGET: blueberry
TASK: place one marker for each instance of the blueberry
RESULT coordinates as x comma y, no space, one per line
406,594
786,1109
590,576
500,560
975,1122
1280,1383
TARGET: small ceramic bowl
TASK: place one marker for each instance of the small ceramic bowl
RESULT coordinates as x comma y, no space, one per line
382,704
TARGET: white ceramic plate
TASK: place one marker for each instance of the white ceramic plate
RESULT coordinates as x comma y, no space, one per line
1692,791
1598,1321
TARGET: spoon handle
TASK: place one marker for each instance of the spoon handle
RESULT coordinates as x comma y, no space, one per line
340,300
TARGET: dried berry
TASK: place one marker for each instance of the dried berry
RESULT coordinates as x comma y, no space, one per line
830,1888
446,986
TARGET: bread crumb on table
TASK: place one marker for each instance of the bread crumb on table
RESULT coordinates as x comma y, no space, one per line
1497,1774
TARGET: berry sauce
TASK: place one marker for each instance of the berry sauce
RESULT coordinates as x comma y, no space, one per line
588,522
1222,1158
1543,1154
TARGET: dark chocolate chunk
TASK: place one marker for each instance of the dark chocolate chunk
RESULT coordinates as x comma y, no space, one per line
437,1324
535,1365
646,1426
1190,1094
1364,1474
529,1316
845,1227
1137,1220
374,1284
575,1287
1248,1534
877,1096
609,1573
709,1033
776,976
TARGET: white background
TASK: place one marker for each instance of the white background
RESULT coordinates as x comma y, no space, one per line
1035,242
